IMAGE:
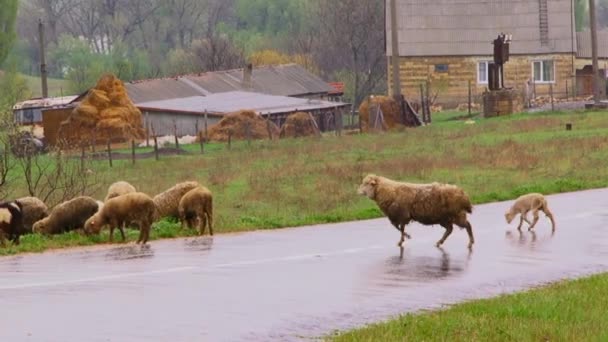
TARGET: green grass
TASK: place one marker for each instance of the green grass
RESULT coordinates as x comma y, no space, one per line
57,87
566,311
296,182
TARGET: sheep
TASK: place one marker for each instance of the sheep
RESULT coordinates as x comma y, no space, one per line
119,188
67,216
11,222
33,210
197,205
132,207
535,202
428,204
167,202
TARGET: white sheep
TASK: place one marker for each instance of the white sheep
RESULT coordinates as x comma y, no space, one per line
428,204
119,188
534,202
167,202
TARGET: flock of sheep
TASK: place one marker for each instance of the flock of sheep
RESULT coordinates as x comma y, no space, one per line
429,204
443,204
123,206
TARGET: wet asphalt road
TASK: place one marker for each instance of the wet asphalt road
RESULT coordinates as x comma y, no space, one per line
290,284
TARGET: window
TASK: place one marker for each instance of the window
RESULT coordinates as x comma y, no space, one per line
482,72
441,68
543,71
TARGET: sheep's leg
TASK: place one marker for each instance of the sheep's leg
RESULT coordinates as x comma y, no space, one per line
145,228
522,217
112,232
122,232
448,230
550,216
210,222
469,229
535,219
405,233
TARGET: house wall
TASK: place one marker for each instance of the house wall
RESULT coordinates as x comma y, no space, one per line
452,85
164,123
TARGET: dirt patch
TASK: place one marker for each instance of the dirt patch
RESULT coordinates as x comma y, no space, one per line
243,125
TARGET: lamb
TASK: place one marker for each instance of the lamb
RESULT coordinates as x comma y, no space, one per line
132,207
197,206
11,222
535,202
67,216
119,188
428,204
167,202
33,210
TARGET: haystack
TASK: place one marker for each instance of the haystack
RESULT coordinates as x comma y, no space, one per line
106,112
299,125
389,116
238,124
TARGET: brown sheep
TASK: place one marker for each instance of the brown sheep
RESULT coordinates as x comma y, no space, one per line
119,188
33,210
167,202
197,206
134,207
428,204
534,202
67,216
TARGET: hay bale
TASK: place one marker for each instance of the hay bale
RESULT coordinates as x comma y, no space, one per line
390,112
299,125
236,124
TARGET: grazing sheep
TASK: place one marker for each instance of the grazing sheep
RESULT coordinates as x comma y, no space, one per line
33,210
134,207
197,206
428,204
119,188
11,222
67,216
535,202
167,202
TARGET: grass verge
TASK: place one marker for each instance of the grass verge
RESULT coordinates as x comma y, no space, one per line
566,311
294,182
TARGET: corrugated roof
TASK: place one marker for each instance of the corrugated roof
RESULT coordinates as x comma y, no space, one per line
235,101
467,27
583,44
287,80
44,102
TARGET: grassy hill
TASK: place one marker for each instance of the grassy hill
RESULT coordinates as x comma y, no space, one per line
57,87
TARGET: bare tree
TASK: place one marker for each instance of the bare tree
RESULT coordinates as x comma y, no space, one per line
353,40
54,13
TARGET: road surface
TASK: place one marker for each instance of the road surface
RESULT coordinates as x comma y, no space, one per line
290,284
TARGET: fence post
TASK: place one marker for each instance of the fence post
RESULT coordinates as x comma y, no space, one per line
156,147
175,134
230,139
110,152
248,133
206,132
428,101
82,155
133,151
268,128
470,98
567,92
200,139
551,94
422,102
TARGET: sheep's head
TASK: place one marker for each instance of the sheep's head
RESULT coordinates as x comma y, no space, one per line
509,216
40,226
92,225
368,186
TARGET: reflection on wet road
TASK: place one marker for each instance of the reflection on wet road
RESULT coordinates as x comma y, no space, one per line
290,284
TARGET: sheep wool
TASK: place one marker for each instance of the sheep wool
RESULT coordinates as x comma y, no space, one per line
119,188
167,202
33,210
534,202
67,216
196,206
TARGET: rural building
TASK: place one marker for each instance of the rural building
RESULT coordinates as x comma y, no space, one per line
30,112
187,114
449,44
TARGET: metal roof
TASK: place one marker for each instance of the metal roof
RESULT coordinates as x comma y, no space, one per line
234,101
45,102
286,80
468,27
583,44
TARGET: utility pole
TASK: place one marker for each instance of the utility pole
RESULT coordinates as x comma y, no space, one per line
43,72
593,26
395,50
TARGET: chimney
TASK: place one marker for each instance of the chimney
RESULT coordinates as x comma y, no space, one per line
247,75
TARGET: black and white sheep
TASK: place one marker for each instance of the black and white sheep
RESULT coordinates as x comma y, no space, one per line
133,207
11,222
67,216
428,204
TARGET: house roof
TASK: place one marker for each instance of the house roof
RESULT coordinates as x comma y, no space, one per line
49,102
234,101
286,80
583,44
468,27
